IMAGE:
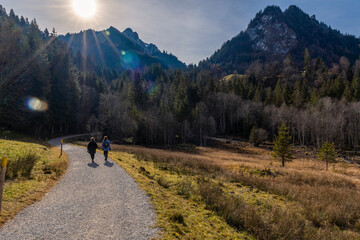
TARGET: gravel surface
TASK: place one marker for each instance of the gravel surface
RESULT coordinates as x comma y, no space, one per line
92,201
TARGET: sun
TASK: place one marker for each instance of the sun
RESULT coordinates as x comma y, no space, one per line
84,8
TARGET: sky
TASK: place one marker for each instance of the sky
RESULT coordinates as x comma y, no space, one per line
192,30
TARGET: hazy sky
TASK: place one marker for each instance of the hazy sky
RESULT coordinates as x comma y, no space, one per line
190,29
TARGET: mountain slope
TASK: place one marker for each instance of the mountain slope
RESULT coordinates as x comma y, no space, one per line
274,34
119,50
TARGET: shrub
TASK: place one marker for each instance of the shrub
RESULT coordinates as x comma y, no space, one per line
185,187
22,166
162,181
274,224
143,171
177,217
258,136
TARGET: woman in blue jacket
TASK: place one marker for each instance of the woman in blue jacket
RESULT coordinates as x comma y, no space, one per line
105,146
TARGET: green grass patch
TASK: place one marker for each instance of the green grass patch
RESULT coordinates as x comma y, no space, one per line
33,169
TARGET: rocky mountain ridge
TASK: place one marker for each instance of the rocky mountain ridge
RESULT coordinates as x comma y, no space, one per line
119,50
274,34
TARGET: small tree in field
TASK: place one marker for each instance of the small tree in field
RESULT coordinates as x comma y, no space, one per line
283,148
327,153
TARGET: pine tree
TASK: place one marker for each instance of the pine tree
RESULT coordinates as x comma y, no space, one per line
268,96
258,95
337,87
53,33
355,86
327,153
308,69
286,92
46,33
314,96
278,94
283,148
252,135
299,94
181,100
348,94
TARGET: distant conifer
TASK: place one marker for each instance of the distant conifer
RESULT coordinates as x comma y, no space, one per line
283,148
327,153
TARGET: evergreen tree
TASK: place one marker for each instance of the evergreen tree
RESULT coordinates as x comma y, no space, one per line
258,96
283,148
314,96
348,94
181,100
278,94
355,86
268,96
337,88
308,68
327,153
299,94
46,33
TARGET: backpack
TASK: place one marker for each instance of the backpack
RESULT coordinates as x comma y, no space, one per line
106,145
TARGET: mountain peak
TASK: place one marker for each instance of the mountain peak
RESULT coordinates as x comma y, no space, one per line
274,34
131,34
295,9
272,10
150,49
270,33
107,46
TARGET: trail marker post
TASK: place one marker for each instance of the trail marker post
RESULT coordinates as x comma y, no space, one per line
61,149
2,178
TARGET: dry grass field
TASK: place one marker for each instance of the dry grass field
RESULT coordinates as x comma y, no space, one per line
248,190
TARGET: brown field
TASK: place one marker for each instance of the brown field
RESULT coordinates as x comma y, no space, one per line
249,189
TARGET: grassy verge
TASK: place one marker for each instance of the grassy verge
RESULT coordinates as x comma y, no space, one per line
33,169
244,192
181,215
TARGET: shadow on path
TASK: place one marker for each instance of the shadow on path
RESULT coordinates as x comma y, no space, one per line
108,164
93,165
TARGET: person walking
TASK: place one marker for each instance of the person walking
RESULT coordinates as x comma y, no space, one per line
106,147
92,146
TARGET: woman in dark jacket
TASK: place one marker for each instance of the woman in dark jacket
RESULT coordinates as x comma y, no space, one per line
92,146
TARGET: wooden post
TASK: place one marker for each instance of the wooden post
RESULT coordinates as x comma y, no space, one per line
2,179
61,149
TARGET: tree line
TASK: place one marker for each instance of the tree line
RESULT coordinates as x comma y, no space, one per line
157,106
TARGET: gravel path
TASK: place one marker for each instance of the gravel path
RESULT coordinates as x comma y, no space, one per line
92,201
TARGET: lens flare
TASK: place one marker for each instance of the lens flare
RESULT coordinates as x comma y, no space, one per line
129,60
34,104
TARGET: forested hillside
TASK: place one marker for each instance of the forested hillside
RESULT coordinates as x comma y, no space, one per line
153,105
119,50
35,64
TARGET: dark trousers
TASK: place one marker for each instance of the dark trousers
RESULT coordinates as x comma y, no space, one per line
92,155
106,154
